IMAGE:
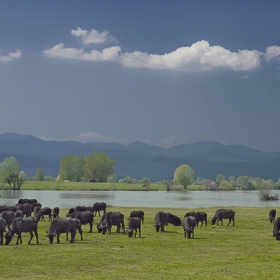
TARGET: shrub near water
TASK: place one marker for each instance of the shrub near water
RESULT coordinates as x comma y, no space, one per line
245,251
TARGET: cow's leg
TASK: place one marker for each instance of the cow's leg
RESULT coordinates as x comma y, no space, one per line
139,231
90,227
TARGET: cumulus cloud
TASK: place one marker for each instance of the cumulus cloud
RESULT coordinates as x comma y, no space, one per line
272,52
11,56
92,36
60,51
200,56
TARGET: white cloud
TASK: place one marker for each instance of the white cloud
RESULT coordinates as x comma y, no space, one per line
60,51
272,52
11,56
93,36
200,56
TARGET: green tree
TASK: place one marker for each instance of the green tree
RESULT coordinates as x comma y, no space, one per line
220,178
98,166
184,175
10,173
39,175
71,168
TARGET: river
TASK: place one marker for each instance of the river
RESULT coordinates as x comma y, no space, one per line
187,199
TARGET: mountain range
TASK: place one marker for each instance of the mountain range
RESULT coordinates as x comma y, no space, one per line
139,160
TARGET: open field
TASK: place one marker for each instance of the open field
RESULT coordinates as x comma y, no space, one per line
245,251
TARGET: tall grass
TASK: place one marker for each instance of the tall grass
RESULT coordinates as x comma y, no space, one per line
245,251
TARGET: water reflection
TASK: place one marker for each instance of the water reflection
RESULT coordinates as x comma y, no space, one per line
188,199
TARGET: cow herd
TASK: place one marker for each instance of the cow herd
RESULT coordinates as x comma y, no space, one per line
17,219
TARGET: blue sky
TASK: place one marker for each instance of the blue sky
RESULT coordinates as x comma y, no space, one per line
162,72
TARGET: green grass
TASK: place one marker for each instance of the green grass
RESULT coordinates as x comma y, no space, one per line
246,251
86,186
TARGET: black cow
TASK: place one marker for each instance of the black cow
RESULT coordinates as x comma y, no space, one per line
27,201
55,212
78,227
200,217
134,223
99,206
62,225
86,217
110,219
272,215
2,229
223,214
42,212
139,214
162,219
19,213
19,225
189,224
276,229
8,216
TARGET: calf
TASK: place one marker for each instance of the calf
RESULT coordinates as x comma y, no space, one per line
200,217
188,226
272,215
276,229
2,229
110,219
99,206
19,225
223,214
139,214
134,223
62,225
8,216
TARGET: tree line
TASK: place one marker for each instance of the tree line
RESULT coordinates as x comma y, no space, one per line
98,167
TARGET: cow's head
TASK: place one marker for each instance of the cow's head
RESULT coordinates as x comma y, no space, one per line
9,236
213,221
51,235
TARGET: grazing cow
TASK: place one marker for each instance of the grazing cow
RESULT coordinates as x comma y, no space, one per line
70,212
62,225
276,229
26,208
55,212
86,217
139,214
2,229
188,226
200,217
99,206
19,225
134,223
8,216
190,214
162,219
110,219
46,211
174,220
223,214
18,213
272,215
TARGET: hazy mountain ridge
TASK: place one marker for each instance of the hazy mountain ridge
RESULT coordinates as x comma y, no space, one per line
140,160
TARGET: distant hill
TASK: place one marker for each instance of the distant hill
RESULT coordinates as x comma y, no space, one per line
139,160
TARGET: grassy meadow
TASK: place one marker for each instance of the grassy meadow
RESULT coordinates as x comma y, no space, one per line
245,251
